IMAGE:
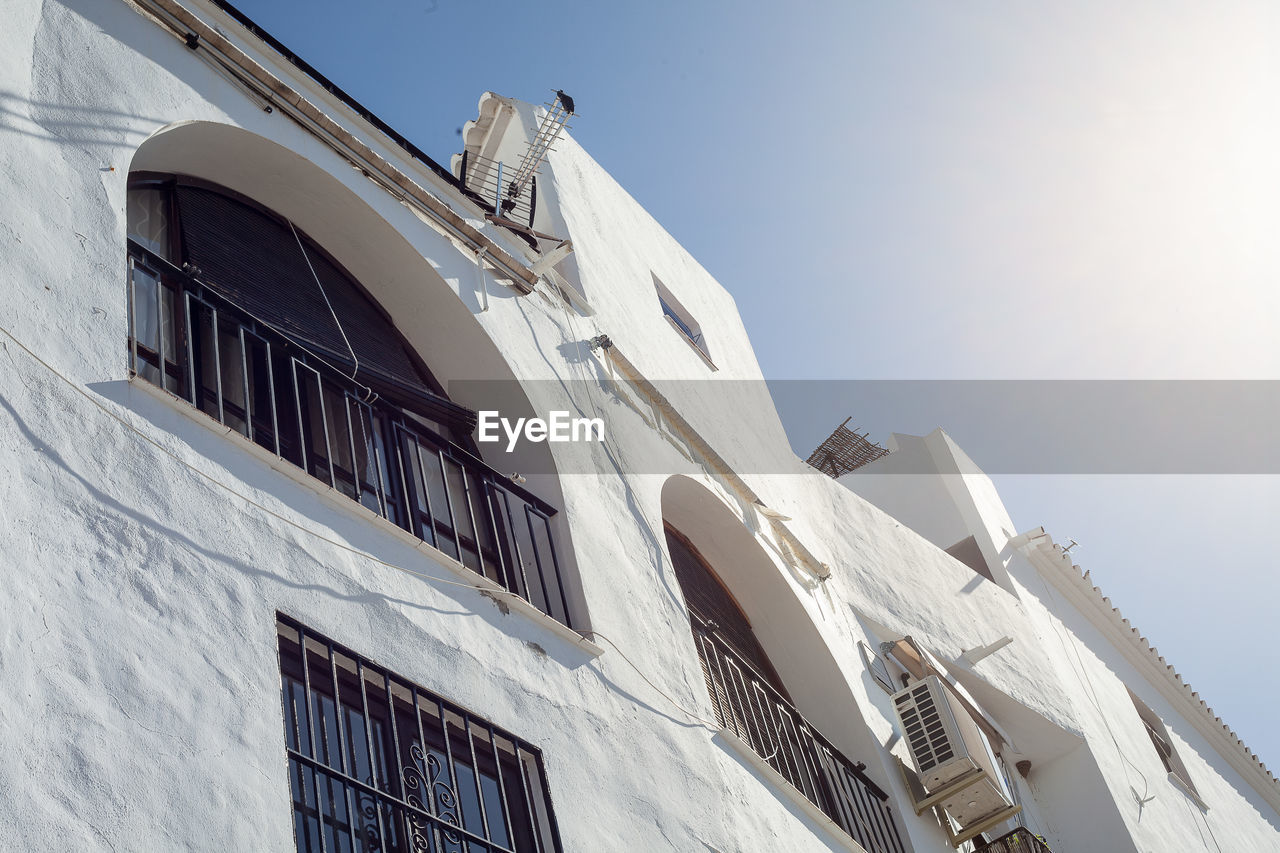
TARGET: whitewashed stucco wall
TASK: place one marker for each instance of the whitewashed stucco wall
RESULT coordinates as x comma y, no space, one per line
139,624
1086,792
137,638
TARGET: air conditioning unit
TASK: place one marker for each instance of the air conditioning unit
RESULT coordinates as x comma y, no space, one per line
949,752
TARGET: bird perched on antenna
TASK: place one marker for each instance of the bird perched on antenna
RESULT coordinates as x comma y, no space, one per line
566,100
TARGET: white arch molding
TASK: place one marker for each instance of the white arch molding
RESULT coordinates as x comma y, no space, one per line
418,276
773,602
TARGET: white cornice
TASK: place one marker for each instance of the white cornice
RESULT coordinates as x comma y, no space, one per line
1055,564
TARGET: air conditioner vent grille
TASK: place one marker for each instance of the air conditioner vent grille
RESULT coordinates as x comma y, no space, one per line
924,728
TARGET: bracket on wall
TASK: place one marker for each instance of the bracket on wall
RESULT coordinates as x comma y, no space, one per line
970,832
976,654
770,513
552,257
922,801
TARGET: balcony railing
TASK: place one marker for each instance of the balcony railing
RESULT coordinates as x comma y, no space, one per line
258,382
1019,841
748,706
491,181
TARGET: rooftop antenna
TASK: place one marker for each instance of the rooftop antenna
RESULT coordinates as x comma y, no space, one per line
512,193
554,122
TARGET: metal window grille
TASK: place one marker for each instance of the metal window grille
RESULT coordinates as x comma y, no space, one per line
377,763
250,377
749,706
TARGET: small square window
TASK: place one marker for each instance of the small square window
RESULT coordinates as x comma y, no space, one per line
682,321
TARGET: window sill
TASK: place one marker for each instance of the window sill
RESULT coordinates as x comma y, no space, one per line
1186,789
688,340
787,790
340,501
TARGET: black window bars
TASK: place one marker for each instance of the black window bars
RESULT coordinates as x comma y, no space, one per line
248,376
756,713
1019,840
377,763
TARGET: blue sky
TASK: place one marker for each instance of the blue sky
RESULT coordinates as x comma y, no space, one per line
936,191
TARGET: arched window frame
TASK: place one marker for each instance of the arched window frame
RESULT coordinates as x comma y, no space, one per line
754,711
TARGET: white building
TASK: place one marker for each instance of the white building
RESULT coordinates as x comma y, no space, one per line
247,334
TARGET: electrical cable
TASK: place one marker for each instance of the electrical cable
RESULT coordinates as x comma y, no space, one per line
1092,695
571,326
316,534
709,725
712,726
355,361
242,496
233,76
1204,817
370,396
1194,810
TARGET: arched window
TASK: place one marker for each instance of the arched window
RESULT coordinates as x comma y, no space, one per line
237,311
752,704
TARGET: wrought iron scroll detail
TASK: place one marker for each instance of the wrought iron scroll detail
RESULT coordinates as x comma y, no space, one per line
369,816
423,789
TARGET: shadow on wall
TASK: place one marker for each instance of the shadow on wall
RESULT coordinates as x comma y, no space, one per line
239,526
133,525
71,123
110,47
